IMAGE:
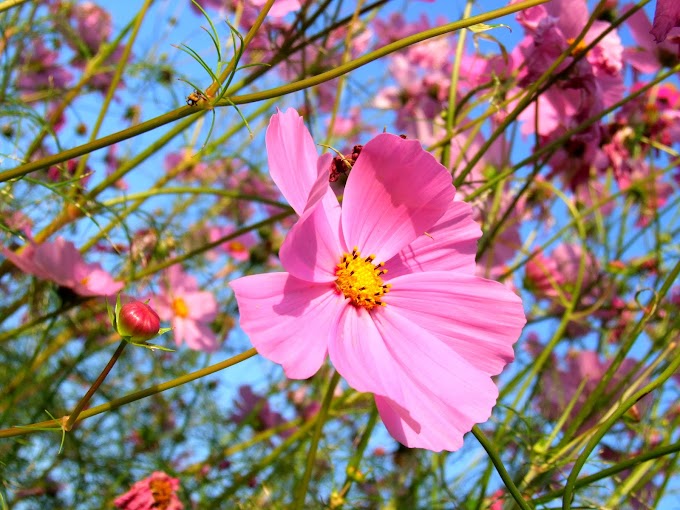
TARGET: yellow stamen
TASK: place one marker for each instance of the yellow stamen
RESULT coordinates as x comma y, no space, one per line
579,48
359,279
161,491
179,306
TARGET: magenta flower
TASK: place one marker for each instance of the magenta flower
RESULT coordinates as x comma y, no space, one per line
666,17
62,263
189,310
577,379
280,7
155,492
385,286
252,406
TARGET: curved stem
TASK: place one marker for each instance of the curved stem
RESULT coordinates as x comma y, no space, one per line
267,94
498,463
132,397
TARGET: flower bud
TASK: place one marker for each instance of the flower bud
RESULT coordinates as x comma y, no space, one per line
138,321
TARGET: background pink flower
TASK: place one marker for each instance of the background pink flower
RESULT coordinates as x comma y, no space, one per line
155,492
420,331
189,310
60,262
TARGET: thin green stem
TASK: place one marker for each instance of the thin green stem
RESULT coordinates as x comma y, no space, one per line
301,492
185,111
572,480
115,80
8,4
613,470
503,473
73,417
132,397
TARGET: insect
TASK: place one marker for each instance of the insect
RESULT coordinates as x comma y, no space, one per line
195,97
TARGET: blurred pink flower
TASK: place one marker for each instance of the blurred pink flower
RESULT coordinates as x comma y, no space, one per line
556,273
666,17
420,331
239,247
156,492
189,310
561,385
252,406
39,69
648,56
92,24
59,261
280,7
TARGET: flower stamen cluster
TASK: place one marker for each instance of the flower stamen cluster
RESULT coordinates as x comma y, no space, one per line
359,279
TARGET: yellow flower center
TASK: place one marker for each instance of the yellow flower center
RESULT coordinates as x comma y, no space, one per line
579,48
161,492
359,280
179,306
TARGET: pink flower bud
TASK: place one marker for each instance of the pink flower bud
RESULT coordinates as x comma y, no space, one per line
138,321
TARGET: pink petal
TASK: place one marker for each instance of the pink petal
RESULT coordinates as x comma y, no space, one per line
202,305
642,60
321,187
312,248
395,192
361,354
60,259
442,393
450,245
198,335
666,16
288,320
25,261
640,28
179,281
98,283
480,319
292,157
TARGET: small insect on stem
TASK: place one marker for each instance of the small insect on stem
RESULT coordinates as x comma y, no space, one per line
195,97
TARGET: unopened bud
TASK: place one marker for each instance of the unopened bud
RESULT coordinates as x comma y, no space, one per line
138,321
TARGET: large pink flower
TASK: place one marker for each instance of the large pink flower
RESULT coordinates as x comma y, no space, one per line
61,262
189,310
420,331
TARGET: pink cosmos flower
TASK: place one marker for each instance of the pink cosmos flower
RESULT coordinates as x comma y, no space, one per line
189,310
648,56
555,274
252,406
239,247
155,492
93,25
280,7
666,17
62,263
40,69
385,286
562,385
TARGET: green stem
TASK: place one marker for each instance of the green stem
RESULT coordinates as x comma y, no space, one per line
132,397
299,503
259,96
623,408
8,4
613,470
498,463
115,80
73,417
